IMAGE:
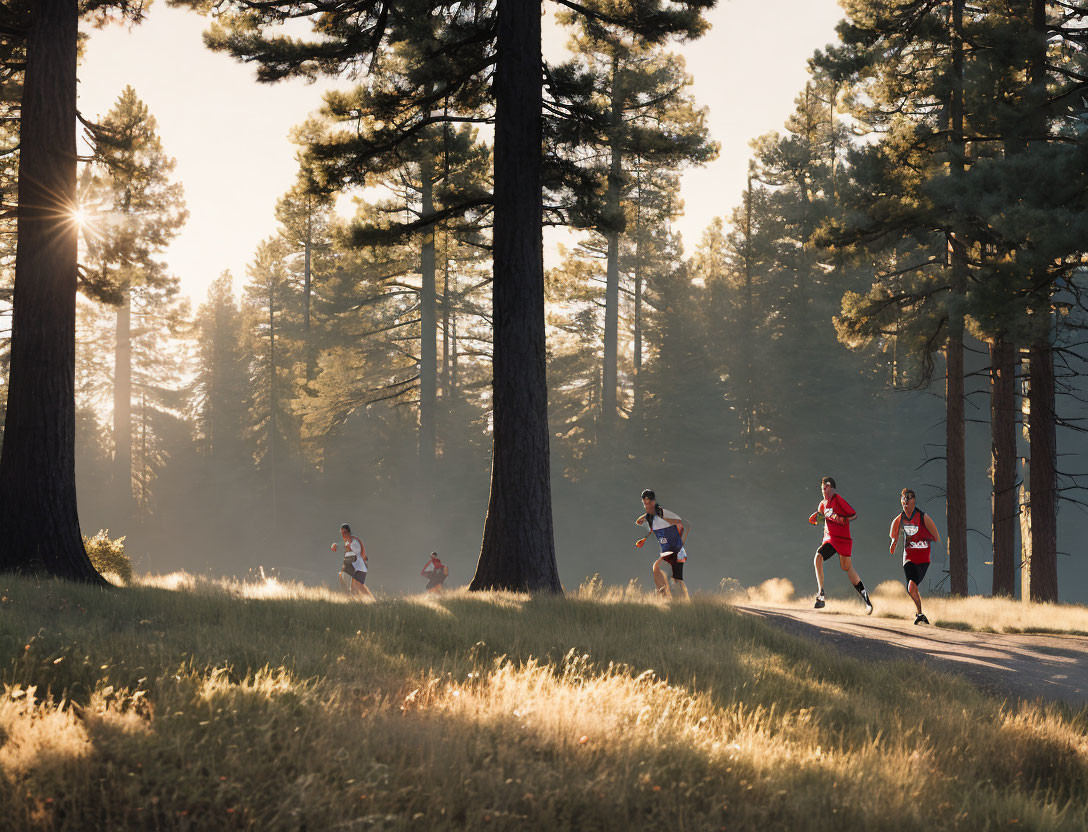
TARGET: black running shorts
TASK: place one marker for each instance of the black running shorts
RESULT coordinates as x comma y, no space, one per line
827,550
915,571
677,566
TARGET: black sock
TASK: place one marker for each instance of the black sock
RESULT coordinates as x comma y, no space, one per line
860,587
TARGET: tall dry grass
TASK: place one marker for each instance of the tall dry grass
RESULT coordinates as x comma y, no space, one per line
190,704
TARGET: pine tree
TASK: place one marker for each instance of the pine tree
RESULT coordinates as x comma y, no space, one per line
273,305
633,96
905,64
137,211
222,382
37,466
304,217
477,49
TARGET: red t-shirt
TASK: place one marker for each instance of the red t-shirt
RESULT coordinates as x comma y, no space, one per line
835,532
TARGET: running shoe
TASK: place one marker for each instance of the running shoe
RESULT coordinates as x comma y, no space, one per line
819,600
920,618
868,603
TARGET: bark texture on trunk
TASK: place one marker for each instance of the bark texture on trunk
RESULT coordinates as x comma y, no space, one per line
518,551
1003,465
38,517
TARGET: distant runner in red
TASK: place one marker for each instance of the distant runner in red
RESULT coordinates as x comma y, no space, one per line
918,530
837,516
436,573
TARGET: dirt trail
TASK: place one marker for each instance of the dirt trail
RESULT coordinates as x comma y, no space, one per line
1023,666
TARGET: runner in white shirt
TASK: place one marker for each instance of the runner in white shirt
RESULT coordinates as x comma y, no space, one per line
671,531
355,561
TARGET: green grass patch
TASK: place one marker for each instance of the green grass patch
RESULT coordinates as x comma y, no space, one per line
229,706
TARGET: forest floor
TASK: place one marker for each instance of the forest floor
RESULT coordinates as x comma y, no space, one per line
183,703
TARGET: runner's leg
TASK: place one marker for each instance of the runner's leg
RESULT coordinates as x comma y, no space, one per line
678,578
848,567
912,591
661,582
818,562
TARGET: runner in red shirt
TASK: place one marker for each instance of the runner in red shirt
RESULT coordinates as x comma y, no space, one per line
918,530
436,572
837,516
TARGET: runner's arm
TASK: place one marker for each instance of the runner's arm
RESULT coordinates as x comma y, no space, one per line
932,528
847,515
893,533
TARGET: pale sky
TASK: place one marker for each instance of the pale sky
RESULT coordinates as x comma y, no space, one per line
230,135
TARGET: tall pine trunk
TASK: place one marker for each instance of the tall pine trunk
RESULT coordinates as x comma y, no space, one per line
955,477
1042,428
428,327
613,223
518,551
1043,476
39,523
1003,464
122,403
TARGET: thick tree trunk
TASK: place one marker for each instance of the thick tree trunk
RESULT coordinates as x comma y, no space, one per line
1003,465
518,551
39,524
1043,473
955,456
428,328
613,222
122,403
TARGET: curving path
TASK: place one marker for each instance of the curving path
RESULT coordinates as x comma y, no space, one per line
1052,667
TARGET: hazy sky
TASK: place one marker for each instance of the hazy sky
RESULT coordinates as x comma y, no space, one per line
230,135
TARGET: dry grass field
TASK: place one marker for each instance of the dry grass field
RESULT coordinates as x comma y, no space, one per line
187,704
